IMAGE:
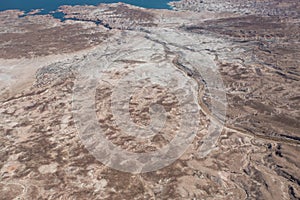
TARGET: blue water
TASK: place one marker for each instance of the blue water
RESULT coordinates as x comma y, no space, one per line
52,5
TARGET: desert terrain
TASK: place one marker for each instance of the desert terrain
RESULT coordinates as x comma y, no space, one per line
122,102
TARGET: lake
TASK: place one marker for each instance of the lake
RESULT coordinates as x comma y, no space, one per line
52,5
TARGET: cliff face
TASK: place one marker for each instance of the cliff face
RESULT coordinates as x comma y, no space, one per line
204,101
